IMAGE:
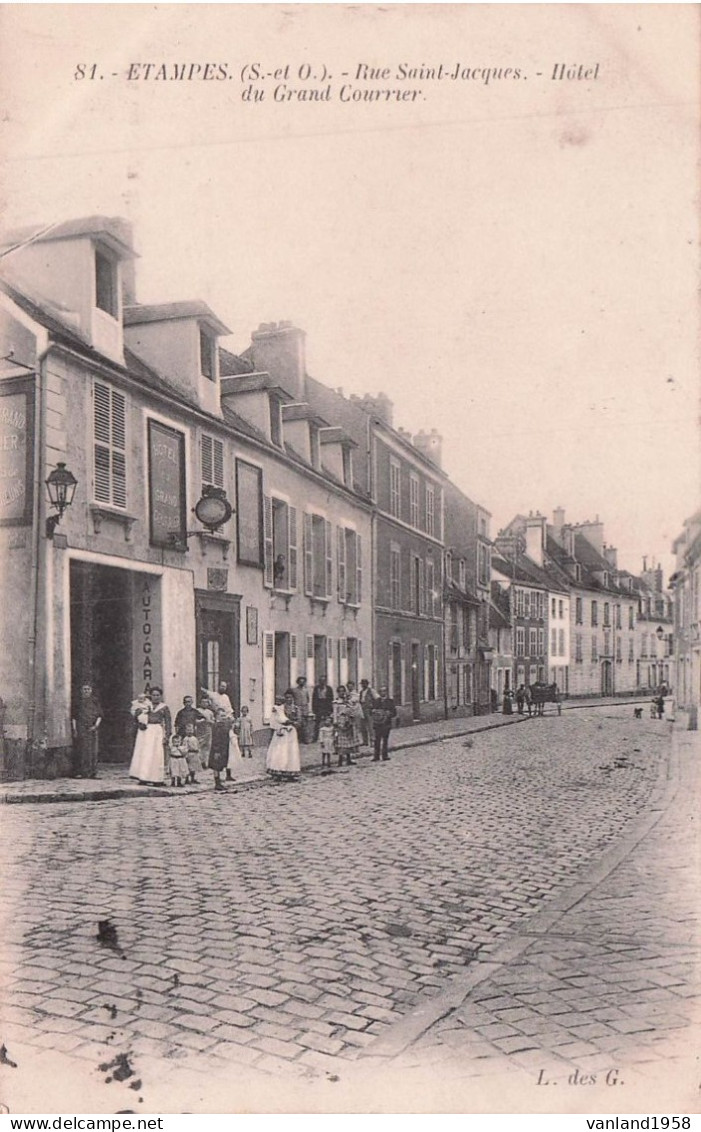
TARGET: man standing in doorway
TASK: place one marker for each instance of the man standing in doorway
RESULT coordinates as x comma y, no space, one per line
322,704
384,711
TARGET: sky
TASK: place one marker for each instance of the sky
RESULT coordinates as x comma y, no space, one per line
511,257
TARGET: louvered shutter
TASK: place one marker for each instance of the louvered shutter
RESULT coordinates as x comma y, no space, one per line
218,462
358,569
109,421
293,646
341,539
308,557
268,675
422,586
292,548
267,541
328,531
207,471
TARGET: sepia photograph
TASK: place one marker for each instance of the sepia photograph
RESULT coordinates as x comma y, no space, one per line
350,560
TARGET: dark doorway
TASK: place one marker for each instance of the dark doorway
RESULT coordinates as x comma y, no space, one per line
415,682
396,672
320,659
101,650
352,654
217,620
606,678
282,663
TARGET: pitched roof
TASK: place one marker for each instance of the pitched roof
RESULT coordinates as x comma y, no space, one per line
114,230
140,313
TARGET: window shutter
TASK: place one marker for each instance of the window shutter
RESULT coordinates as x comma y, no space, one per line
422,586
308,558
218,462
358,569
341,540
109,426
292,557
267,541
268,674
344,647
293,646
329,648
329,557
207,473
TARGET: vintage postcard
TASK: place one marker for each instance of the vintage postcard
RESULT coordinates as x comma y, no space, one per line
349,538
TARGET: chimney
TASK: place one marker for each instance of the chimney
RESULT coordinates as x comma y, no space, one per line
611,556
535,537
430,444
279,349
593,533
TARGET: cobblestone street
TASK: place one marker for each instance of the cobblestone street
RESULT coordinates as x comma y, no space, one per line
292,930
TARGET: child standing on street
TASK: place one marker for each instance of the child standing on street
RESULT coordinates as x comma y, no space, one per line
191,749
178,762
234,750
245,728
327,743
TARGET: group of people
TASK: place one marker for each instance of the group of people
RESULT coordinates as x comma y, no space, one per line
214,736
530,698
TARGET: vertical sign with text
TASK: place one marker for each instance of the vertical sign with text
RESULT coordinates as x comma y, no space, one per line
166,466
16,452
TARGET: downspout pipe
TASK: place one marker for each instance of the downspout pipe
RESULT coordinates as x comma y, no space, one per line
34,569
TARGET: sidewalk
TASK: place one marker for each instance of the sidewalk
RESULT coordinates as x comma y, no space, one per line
602,987
113,780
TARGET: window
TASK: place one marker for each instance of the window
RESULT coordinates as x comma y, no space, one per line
607,644
594,649
483,565
349,566
643,645
395,577
109,426
561,639
578,647
431,664
541,642
395,491
430,510
417,585
578,615
619,652
212,462
519,603
553,607
347,454
553,641
280,529
520,642
449,565
275,421
618,616
527,603
532,642
594,613
607,613
462,574
414,500
561,606
318,568
631,650
106,284
207,354
631,617
430,604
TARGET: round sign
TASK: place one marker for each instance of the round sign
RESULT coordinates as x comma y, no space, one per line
213,510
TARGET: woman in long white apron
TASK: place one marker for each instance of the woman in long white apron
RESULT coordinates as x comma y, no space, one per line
148,763
282,761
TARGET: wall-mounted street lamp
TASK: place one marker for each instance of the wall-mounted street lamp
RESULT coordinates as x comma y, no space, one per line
60,486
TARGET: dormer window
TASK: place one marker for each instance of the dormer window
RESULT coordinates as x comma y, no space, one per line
207,354
106,283
275,421
347,466
314,449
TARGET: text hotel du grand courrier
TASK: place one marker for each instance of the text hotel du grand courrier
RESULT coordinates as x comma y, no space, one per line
361,83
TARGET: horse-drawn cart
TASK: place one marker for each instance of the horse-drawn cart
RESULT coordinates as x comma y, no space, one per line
542,694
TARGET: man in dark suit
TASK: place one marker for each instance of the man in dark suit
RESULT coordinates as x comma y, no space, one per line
322,703
384,711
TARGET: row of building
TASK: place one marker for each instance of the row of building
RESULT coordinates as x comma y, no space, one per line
228,517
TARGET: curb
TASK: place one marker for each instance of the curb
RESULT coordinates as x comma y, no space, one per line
133,792
413,1026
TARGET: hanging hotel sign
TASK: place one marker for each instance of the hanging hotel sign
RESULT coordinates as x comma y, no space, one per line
166,470
16,452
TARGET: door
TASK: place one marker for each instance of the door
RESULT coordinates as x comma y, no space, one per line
606,679
217,622
396,672
320,659
352,654
101,651
282,663
415,682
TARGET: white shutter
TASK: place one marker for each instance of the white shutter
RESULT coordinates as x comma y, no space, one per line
292,547
358,569
341,539
268,675
109,425
328,530
268,576
293,659
309,669
218,463
330,677
308,558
